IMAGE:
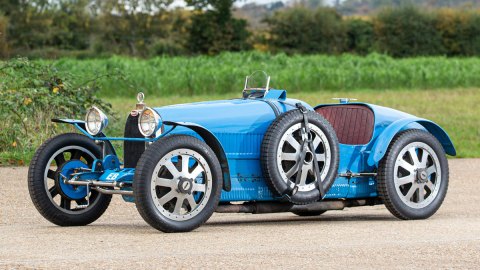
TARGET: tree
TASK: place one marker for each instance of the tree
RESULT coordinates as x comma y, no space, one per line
213,28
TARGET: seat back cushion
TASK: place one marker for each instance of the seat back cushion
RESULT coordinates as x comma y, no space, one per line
352,123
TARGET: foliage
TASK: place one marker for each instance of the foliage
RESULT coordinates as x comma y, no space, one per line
407,32
360,36
213,31
31,94
3,37
225,73
302,30
460,32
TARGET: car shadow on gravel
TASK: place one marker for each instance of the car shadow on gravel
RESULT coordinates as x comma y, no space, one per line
300,220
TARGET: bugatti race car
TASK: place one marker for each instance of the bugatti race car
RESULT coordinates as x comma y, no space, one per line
261,153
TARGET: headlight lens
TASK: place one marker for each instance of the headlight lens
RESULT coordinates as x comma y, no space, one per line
95,121
149,122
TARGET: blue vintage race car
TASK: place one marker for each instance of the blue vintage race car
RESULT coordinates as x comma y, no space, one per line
261,153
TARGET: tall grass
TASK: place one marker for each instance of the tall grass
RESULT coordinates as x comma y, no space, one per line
225,73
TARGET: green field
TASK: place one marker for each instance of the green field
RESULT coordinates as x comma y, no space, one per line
225,73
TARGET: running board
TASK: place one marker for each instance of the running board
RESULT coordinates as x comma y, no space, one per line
273,207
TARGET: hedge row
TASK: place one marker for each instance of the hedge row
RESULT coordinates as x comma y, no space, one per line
401,32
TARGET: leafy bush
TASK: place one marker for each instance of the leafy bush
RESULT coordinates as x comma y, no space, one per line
407,32
210,34
460,31
3,37
302,30
360,36
31,94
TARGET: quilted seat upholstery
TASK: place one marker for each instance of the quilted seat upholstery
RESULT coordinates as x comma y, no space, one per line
352,123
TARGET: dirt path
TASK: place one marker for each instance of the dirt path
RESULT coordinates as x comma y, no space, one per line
358,237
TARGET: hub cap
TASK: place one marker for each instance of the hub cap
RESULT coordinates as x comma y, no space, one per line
181,184
68,198
417,175
288,153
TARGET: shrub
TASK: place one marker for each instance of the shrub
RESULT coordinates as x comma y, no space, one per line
360,36
407,32
210,33
31,94
302,30
3,37
460,31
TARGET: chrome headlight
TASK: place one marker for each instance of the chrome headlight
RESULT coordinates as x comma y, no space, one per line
149,122
95,121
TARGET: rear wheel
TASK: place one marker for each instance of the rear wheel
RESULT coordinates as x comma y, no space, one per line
413,175
60,203
177,186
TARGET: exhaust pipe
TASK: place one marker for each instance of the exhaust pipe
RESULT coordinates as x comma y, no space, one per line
273,207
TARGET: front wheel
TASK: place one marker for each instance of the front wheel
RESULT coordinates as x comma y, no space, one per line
60,203
413,175
177,184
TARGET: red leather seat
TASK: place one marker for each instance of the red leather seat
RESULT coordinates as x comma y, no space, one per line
352,123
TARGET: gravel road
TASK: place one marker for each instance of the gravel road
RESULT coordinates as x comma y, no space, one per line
362,237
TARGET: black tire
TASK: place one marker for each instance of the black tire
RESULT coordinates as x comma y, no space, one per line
310,214
271,142
142,184
60,214
398,204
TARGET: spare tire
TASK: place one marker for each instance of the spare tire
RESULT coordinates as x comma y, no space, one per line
280,153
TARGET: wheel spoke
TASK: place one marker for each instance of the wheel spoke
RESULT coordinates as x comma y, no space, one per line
167,197
411,191
431,170
172,169
164,182
303,177
292,171
185,163
179,204
53,191
407,166
316,141
421,193
76,154
191,201
430,186
65,203
414,156
425,155
51,174
291,140
405,180
198,187
320,157
60,159
197,171
289,156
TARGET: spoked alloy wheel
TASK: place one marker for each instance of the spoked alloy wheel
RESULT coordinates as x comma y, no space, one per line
177,183
417,176
413,175
60,203
181,184
289,152
281,154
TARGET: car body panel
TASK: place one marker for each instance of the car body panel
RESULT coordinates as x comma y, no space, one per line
235,128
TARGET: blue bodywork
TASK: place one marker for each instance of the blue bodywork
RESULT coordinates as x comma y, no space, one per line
235,128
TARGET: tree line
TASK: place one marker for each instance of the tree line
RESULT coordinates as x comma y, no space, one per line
145,28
